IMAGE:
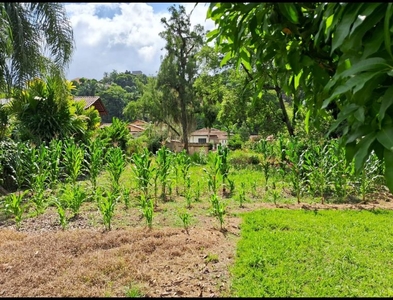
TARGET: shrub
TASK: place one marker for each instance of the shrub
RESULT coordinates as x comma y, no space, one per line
235,142
242,159
199,158
8,149
117,133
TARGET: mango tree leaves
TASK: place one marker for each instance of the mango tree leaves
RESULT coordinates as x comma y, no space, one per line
349,62
388,156
289,10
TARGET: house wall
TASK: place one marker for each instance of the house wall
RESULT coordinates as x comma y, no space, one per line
194,139
177,146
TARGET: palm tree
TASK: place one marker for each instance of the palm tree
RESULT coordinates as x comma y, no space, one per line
35,38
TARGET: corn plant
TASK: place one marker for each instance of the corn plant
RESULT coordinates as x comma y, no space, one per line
106,205
318,168
72,196
184,162
147,209
164,161
224,165
197,195
369,175
155,183
296,168
188,193
342,172
55,151
143,170
266,172
15,207
186,219
275,193
232,186
254,188
32,164
95,155
61,211
72,160
169,186
175,167
242,194
263,148
38,187
116,164
218,208
78,199
126,196
212,174
23,164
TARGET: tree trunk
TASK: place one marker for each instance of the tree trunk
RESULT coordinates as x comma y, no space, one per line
3,191
184,120
284,111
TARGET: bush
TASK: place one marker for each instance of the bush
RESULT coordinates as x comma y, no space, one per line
235,142
8,149
243,159
199,158
117,133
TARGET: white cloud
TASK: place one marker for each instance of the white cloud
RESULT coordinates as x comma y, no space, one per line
121,36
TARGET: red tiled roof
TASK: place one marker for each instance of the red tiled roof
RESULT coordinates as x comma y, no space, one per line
89,100
93,100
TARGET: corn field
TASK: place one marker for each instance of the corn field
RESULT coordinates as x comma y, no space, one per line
65,175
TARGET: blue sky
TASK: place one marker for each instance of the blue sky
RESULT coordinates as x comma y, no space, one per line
121,36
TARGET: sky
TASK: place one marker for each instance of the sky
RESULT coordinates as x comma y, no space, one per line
121,36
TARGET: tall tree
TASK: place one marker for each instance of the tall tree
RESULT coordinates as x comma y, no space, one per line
86,87
115,99
150,106
209,86
338,55
179,67
35,38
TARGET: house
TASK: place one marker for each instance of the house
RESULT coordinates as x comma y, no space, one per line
137,127
93,101
216,137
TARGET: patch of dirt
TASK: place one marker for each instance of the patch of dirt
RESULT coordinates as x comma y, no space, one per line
42,260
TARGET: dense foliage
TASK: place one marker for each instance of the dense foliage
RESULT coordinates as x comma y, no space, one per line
336,55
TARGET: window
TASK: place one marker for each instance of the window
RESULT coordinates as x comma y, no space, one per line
202,141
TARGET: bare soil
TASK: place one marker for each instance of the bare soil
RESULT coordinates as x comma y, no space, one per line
42,260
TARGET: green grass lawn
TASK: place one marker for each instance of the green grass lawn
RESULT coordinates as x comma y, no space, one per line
305,253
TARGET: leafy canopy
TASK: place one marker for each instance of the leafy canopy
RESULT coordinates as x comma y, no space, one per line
338,54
